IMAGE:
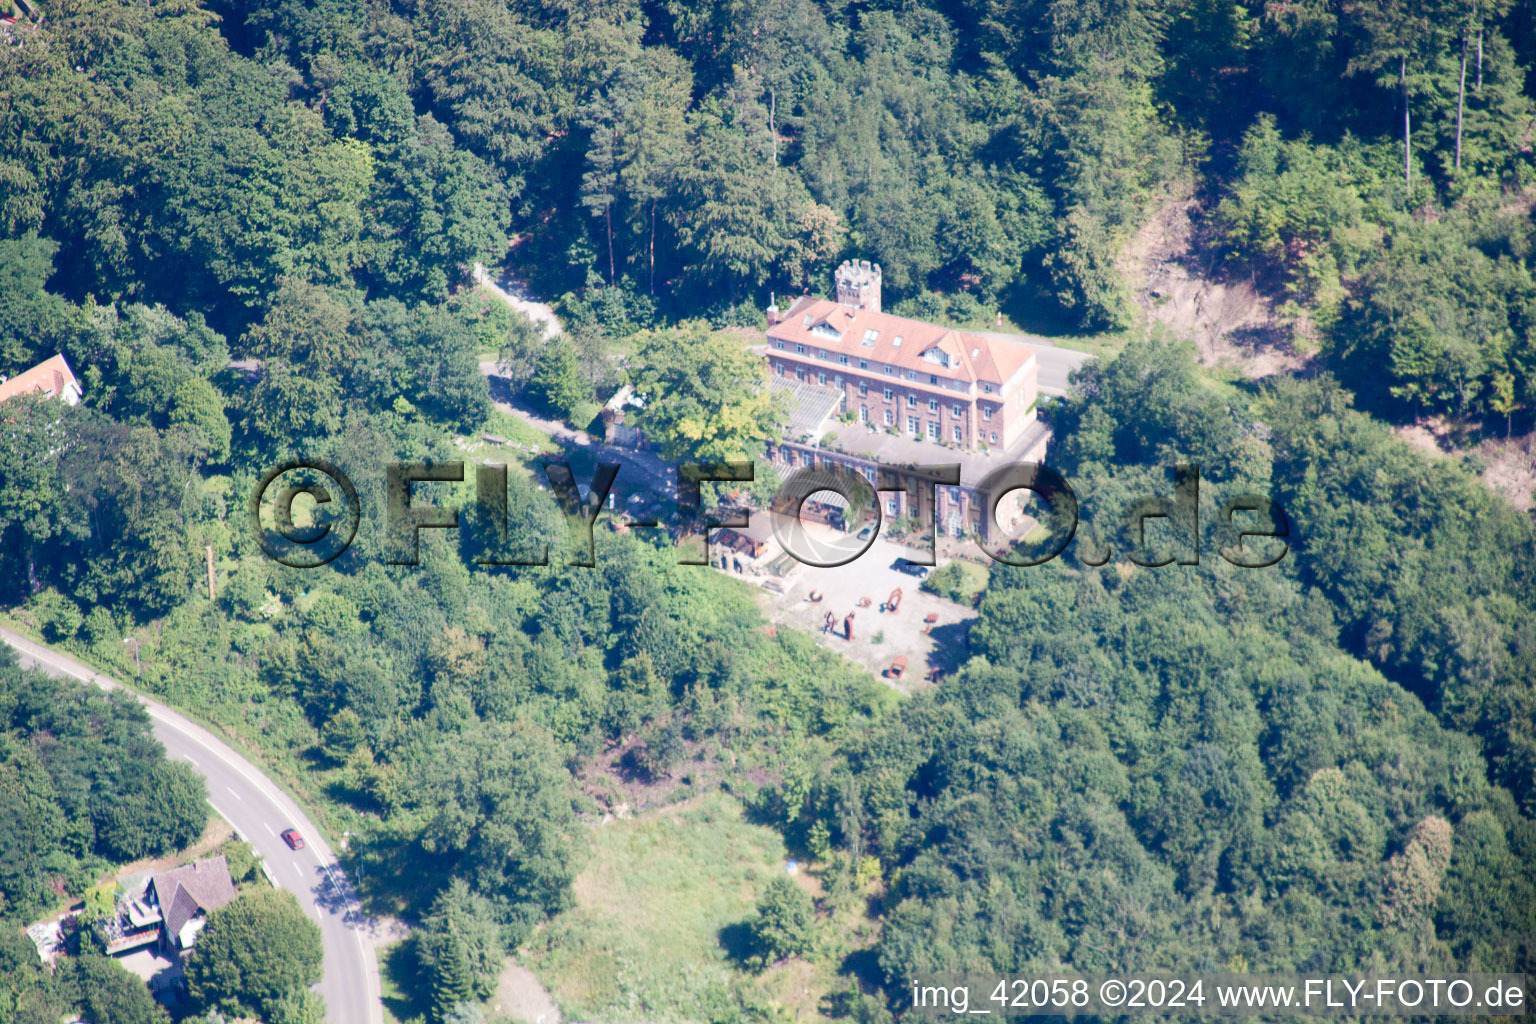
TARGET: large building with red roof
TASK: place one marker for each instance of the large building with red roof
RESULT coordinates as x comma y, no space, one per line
908,393
920,380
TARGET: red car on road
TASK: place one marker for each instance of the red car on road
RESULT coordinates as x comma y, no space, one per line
293,839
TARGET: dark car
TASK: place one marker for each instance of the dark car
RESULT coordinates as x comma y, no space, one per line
293,839
911,568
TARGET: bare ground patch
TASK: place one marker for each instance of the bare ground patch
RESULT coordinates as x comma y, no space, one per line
1231,319
520,996
623,789
1506,465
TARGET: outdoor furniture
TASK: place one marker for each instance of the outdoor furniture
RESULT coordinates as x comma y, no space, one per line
898,667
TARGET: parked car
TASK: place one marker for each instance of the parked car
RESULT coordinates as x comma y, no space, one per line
911,568
293,839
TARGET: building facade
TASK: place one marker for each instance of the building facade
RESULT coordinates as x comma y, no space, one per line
908,377
924,394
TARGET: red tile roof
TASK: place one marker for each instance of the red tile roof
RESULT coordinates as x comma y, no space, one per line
50,377
825,324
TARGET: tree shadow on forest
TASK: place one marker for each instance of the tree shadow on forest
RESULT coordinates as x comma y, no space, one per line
951,646
407,988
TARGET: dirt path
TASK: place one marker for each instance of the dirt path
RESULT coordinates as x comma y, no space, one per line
515,295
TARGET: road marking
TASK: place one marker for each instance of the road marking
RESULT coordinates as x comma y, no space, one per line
269,830
189,757
49,659
233,793
226,818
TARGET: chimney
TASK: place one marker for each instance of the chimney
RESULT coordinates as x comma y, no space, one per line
774,316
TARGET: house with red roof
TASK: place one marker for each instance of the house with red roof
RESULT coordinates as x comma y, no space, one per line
928,382
910,393
51,378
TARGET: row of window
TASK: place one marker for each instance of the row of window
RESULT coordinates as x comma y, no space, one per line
889,370
916,426
956,409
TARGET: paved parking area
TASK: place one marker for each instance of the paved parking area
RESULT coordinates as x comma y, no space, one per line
155,969
901,632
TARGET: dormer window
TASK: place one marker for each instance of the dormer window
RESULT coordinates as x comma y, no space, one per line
826,330
937,355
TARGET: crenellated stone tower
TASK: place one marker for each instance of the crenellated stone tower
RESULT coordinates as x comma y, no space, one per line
858,285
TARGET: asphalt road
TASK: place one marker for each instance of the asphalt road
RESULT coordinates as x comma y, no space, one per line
259,812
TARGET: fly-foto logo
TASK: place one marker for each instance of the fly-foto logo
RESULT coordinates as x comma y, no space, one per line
1251,530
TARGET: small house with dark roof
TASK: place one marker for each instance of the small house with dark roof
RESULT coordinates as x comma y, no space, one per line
186,896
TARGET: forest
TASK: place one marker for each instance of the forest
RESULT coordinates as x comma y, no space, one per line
252,231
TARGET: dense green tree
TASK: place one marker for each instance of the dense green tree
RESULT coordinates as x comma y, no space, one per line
35,507
489,805
108,993
460,947
34,323
253,953
304,1006
28,993
784,922
434,210
705,394
1442,319
36,827
557,382
165,812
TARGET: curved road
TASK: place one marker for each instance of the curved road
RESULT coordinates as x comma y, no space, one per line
259,811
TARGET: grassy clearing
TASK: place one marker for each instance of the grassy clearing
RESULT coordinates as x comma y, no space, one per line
504,424
659,902
959,580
